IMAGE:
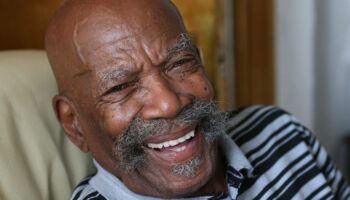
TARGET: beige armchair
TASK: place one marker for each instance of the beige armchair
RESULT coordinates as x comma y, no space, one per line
36,160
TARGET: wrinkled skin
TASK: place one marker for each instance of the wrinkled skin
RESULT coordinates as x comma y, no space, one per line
112,63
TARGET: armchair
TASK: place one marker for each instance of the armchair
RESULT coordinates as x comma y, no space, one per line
36,160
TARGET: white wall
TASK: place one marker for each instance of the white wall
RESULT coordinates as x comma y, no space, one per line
295,20
332,117
313,67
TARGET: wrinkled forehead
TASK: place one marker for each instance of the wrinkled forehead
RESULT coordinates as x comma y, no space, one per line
106,29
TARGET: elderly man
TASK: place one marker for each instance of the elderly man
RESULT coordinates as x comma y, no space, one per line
133,93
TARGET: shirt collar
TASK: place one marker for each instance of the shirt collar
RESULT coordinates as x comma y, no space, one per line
233,154
238,167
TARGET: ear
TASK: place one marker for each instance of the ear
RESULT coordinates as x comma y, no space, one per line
68,118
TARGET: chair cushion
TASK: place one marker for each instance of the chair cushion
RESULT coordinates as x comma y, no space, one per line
37,161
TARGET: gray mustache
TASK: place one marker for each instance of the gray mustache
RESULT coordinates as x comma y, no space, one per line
189,115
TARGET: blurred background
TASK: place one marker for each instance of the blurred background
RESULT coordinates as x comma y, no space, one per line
291,53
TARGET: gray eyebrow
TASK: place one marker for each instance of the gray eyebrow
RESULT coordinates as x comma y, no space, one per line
109,74
183,43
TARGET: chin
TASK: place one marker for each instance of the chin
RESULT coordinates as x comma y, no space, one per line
189,186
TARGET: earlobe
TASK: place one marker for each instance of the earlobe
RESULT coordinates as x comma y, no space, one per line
68,118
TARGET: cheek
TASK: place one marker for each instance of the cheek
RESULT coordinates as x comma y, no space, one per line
207,90
116,118
198,86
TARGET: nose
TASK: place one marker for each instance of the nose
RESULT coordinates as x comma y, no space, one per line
163,101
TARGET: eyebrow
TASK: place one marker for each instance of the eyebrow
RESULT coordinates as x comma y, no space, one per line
109,74
183,43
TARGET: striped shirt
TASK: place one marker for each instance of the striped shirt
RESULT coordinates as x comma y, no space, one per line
270,156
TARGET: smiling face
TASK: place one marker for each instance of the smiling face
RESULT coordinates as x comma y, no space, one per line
140,101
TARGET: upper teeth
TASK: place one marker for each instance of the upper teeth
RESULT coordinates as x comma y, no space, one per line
171,143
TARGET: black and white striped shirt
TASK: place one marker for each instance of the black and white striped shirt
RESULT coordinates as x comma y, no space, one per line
270,156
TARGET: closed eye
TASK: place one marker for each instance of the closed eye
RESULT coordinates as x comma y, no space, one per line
120,88
183,61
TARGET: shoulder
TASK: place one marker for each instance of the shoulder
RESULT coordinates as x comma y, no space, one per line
256,113
84,191
269,136
266,131
249,122
285,155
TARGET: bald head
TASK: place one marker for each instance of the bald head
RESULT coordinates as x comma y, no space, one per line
80,28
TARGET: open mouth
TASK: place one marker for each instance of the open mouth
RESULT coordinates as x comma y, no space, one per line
180,149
